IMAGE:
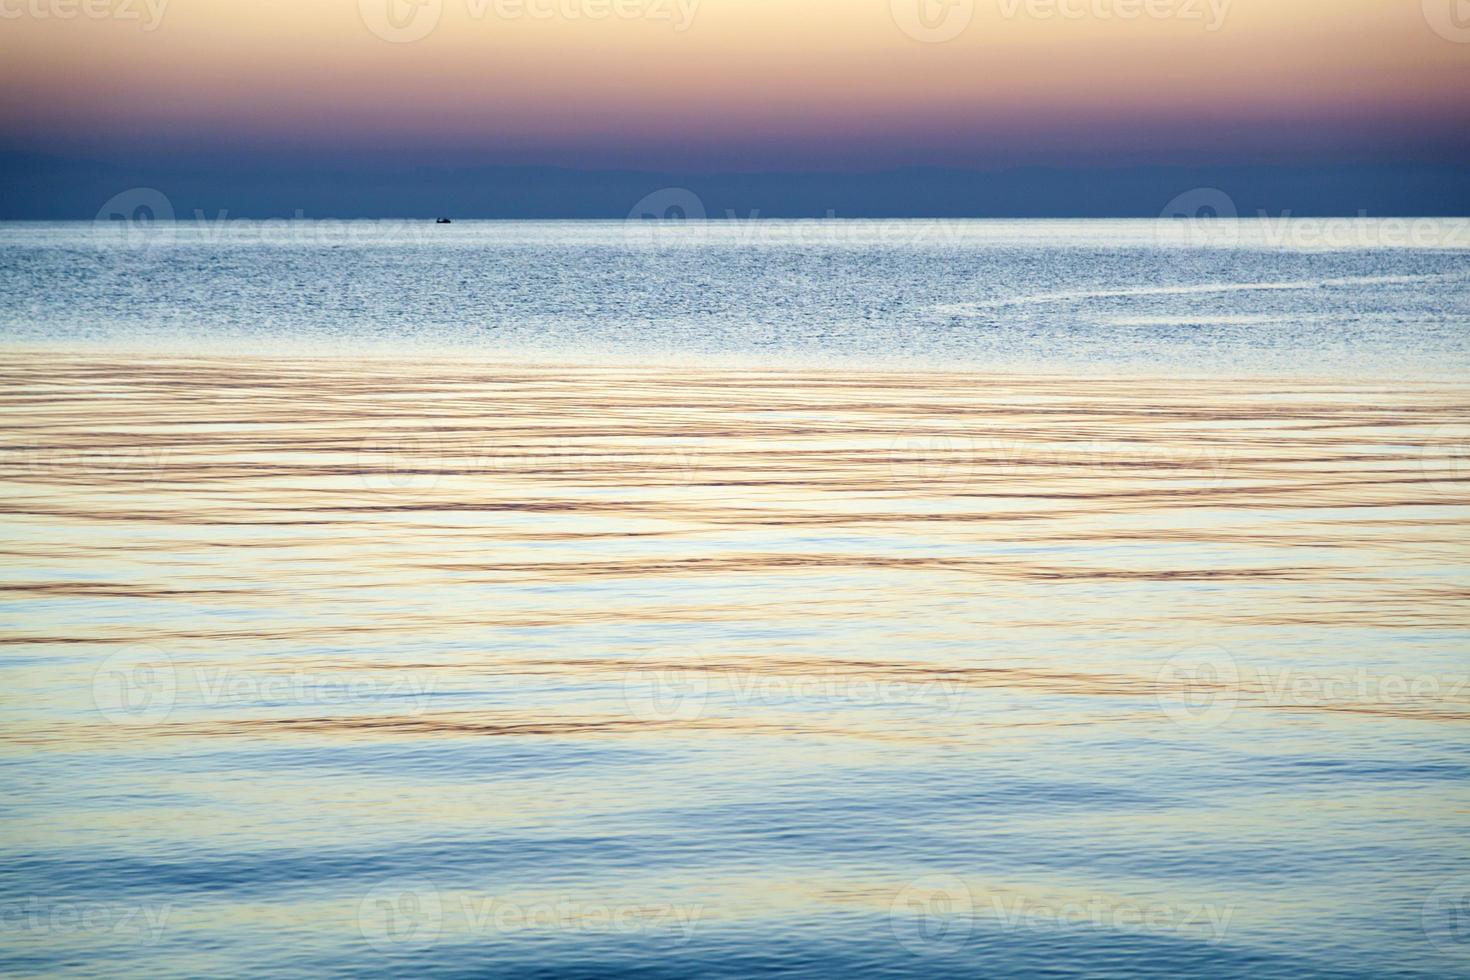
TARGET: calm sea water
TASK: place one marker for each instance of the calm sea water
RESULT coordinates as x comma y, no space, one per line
1238,296
1060,599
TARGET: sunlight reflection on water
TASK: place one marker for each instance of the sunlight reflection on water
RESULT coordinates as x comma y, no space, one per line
373,666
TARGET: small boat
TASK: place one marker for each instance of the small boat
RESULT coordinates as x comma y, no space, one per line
442,221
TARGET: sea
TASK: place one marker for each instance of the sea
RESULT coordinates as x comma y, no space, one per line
665,598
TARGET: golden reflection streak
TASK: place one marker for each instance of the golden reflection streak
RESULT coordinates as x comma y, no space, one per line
339,504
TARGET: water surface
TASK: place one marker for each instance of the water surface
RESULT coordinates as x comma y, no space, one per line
372,666
688,656
1381,296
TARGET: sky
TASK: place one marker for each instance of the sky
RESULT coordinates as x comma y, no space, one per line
730,86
